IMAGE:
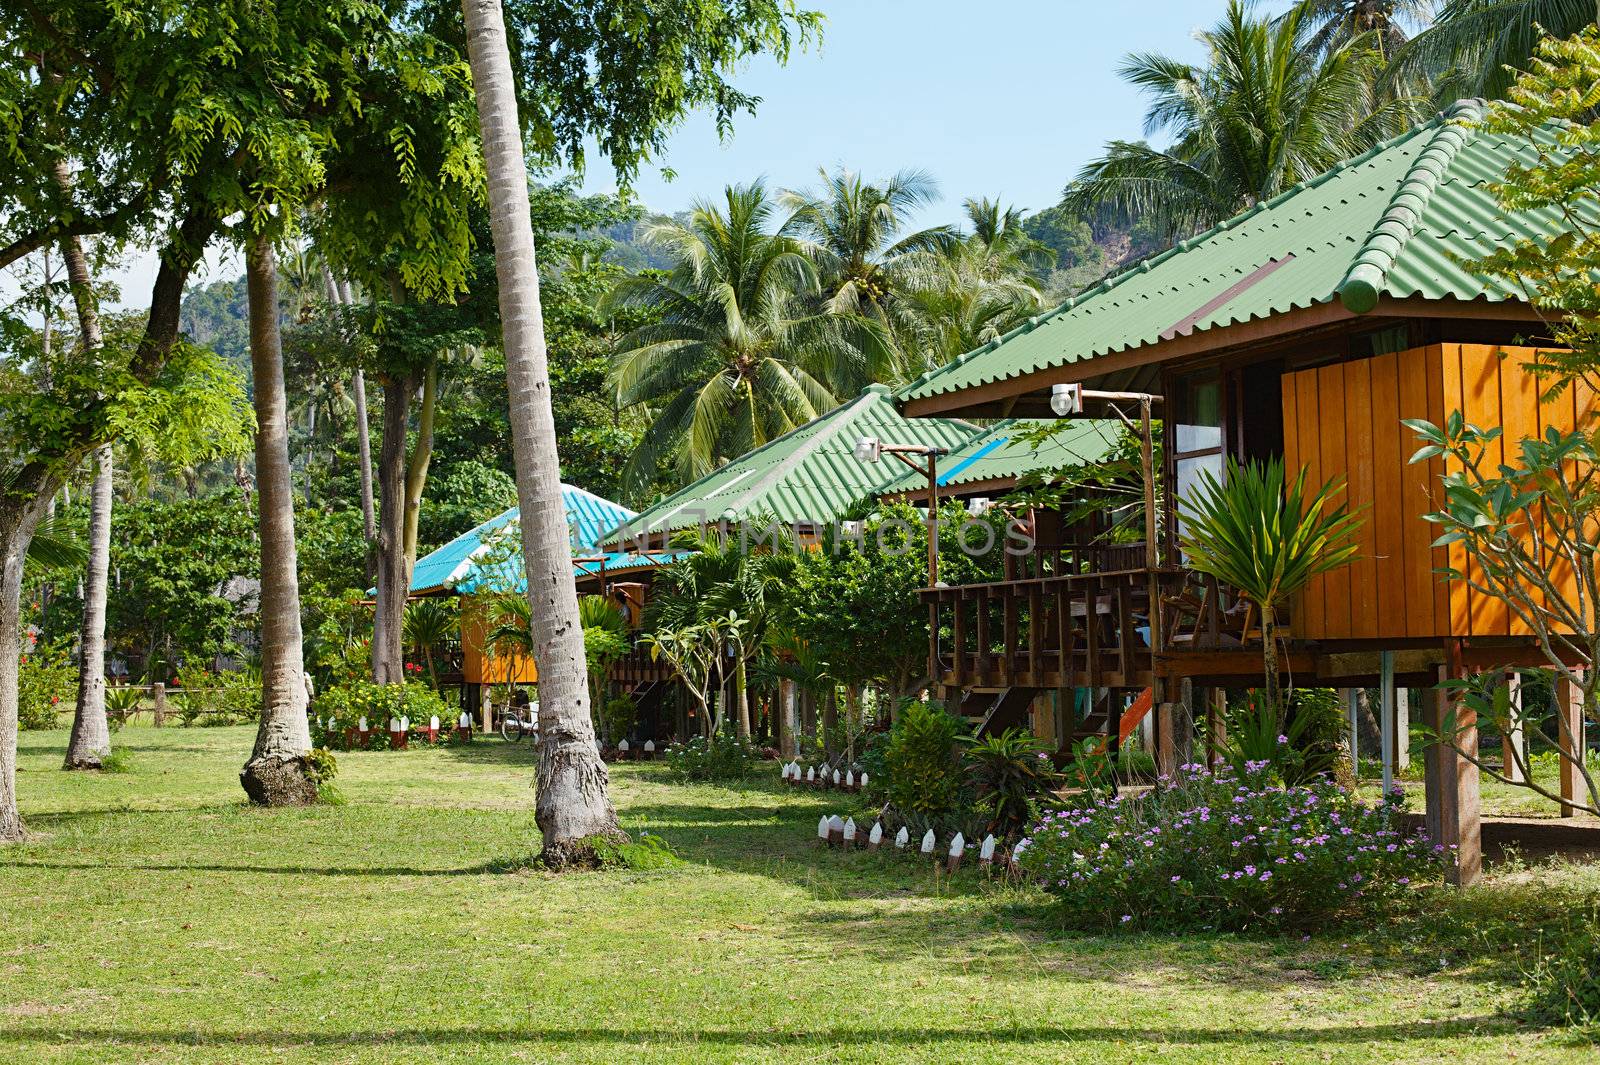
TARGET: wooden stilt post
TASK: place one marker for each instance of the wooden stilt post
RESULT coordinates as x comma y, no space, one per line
1569,730
1386,722
1402,729
1348,695
1513,743
1216,725
1454,816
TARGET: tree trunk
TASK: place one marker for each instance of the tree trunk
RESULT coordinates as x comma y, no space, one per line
339,296
1269,655
19,516
741,683
417,467
572,805
276,774
830,721
90,742
91,736
394,577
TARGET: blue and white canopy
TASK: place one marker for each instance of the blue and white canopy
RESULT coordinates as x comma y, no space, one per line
485,557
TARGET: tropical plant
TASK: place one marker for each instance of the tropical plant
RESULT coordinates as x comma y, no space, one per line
693,651
741,352
1266,540
1271,107
1478,47
923,760
737,590
429,625
1010,773
856,233
605,639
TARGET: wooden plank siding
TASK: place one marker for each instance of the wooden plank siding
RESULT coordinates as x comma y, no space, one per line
1344,420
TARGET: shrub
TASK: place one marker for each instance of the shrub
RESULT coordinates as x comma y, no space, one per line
1010,774
619,715
47,686
922,761
226,697
1306,741
1562,986
1225,852
344,705
722,757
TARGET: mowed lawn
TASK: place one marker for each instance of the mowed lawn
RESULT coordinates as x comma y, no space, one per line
155,918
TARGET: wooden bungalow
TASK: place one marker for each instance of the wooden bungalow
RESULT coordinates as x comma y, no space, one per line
1307,327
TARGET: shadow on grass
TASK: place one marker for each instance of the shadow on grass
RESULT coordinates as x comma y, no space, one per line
1348,1035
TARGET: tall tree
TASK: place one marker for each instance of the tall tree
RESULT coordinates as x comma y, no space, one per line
1268,109
742,351
90,741
1391,22
573,808
276,773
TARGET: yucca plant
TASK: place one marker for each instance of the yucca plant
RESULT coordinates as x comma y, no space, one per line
1266,540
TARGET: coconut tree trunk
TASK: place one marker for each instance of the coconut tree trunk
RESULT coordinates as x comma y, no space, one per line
741,683
276,774
90,742
572,805
394,579
19,516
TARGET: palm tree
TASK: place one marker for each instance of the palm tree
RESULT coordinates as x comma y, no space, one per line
1337,22
1007,248
961,299
276,774
1268,110
856,232
428,624
572,805
741,351
1248,532
1472,43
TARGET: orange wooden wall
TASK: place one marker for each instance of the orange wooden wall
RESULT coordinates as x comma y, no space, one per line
1344,420
481,664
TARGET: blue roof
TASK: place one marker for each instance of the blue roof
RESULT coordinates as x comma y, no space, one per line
460,564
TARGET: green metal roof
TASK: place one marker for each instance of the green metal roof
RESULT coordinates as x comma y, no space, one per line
1395,221
809,474
999,453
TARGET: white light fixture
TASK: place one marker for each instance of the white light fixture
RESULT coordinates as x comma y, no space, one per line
1066,399
869,449
978,505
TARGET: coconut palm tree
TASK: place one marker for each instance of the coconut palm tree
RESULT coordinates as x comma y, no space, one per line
959,299
1007,248
1337,22
1269,108
857,233
1475,47
741,350
276,774
572,803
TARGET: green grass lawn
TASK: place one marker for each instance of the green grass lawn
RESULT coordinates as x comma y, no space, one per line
155,918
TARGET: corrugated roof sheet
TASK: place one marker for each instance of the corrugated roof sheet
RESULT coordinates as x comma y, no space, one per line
999,453
809,474
1393,222
458,563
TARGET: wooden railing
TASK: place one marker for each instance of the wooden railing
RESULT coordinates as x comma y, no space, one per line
637,667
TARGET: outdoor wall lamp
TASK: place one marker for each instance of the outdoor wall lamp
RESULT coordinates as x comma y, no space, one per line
871,449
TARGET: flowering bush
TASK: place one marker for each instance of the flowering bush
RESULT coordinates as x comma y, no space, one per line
343,706
1219,851
722,757
47,686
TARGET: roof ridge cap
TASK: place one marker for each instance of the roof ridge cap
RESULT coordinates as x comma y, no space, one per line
1385,241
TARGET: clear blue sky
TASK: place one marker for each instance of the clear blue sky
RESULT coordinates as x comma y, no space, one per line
999,98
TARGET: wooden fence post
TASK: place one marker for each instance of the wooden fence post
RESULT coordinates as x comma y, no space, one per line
1453,813
158,692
